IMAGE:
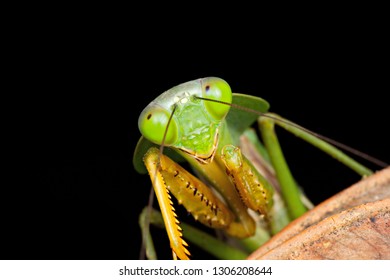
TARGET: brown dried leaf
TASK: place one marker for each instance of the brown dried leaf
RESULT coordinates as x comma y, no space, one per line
354,224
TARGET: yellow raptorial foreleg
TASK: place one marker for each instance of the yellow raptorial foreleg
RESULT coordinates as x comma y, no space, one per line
178,244
199,200
254,190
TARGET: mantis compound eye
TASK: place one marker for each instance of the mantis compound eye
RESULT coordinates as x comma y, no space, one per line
216,89
153,124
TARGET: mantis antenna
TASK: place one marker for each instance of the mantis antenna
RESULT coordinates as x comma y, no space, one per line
322,137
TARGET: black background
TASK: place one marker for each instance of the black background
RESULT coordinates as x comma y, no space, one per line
77,194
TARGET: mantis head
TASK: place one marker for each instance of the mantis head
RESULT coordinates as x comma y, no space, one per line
180,118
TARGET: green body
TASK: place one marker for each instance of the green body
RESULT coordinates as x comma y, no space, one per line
195,121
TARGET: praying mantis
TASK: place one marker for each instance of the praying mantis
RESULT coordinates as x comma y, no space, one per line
238,185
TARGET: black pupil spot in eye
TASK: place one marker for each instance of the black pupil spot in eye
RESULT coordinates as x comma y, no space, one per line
149,116
207,88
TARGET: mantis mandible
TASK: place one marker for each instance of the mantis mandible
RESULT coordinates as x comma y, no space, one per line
205,124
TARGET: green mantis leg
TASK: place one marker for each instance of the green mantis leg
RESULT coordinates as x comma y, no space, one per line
210,244
290,190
